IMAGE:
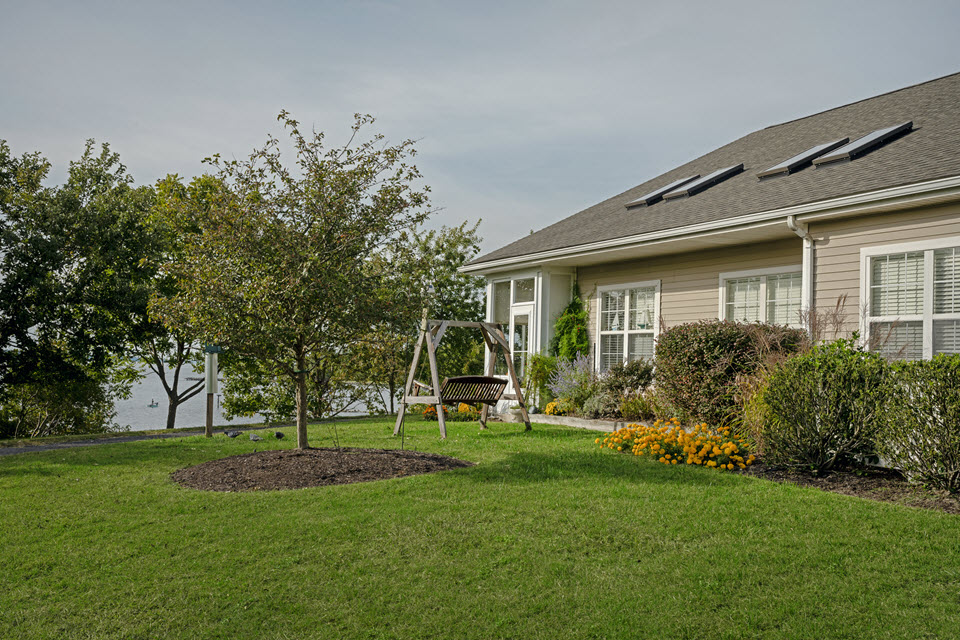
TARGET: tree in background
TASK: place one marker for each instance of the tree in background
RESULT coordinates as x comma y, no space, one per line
417,260
333,388
169,352
78,262
278,271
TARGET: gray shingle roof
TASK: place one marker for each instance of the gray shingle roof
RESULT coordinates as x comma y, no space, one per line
930,151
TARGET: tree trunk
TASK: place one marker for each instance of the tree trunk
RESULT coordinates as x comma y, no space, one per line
393,389
302,403
172,404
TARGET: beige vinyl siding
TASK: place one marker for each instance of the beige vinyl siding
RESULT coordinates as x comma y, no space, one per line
838,244
689,282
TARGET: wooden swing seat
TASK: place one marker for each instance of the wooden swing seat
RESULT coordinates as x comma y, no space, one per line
486,390
467,389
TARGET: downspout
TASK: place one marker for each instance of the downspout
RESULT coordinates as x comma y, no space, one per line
806,277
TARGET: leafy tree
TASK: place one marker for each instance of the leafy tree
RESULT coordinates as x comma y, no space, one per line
81,405
168,351
251,387
78,262
420,259
278,271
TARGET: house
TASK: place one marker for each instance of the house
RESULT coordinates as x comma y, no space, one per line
861,202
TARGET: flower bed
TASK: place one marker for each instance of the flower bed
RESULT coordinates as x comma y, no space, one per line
669,443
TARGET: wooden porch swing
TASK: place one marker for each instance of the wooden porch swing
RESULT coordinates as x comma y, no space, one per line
486,390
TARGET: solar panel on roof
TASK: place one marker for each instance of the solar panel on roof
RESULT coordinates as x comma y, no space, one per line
704,183
802,159
864,144
653,196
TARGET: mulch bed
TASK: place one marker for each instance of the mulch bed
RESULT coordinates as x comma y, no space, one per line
884,485
297,469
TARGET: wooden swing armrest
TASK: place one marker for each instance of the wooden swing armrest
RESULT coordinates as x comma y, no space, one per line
419,386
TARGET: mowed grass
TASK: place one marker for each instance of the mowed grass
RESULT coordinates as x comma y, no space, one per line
547,537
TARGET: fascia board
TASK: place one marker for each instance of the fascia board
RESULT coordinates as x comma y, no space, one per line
890,199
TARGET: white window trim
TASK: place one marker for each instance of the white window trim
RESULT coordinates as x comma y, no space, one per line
927,247
754,273
624,287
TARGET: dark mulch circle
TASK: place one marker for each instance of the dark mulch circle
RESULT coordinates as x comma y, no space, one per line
300,468
884,485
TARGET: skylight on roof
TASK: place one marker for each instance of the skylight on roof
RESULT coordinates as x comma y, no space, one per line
653,196
862,145
802,159
705,182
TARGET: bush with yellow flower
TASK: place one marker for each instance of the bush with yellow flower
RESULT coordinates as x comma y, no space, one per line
553,409
669,443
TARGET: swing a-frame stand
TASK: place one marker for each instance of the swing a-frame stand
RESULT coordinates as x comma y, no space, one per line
487,389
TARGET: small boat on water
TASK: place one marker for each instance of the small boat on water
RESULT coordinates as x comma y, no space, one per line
153,404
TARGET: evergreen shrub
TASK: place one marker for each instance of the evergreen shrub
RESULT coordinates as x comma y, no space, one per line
570,331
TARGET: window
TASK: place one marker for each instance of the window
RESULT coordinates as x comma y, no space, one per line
627,323
912,295
772,296
523,290
501,302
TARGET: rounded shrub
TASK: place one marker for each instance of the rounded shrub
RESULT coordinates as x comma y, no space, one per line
921,421
698,364
602,404
823,407
625,379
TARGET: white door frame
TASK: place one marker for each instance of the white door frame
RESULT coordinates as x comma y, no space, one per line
523,310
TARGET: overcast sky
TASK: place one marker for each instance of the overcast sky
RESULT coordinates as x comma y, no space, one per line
525,112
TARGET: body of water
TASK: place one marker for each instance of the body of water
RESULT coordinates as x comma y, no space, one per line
137,412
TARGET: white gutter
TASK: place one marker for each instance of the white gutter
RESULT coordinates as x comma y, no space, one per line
806,276
890,199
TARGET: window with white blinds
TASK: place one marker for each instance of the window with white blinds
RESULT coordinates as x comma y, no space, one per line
773,297
743,299
783,299
627,323
913,299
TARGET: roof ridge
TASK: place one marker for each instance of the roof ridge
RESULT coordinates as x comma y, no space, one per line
880,95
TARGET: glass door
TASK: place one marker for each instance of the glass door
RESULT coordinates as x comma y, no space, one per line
520,337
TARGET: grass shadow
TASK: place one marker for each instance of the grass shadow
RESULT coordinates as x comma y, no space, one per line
532,467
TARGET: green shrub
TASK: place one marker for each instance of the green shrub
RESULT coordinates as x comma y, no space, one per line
462,416
601,404
636,407
921,421
555,408
752,414
539,371
430,413
574,381
698,364
627,379
570,337
824,406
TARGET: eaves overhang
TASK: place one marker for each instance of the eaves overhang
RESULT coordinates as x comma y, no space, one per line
755,227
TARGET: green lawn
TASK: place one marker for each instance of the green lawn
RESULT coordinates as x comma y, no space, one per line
547,537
